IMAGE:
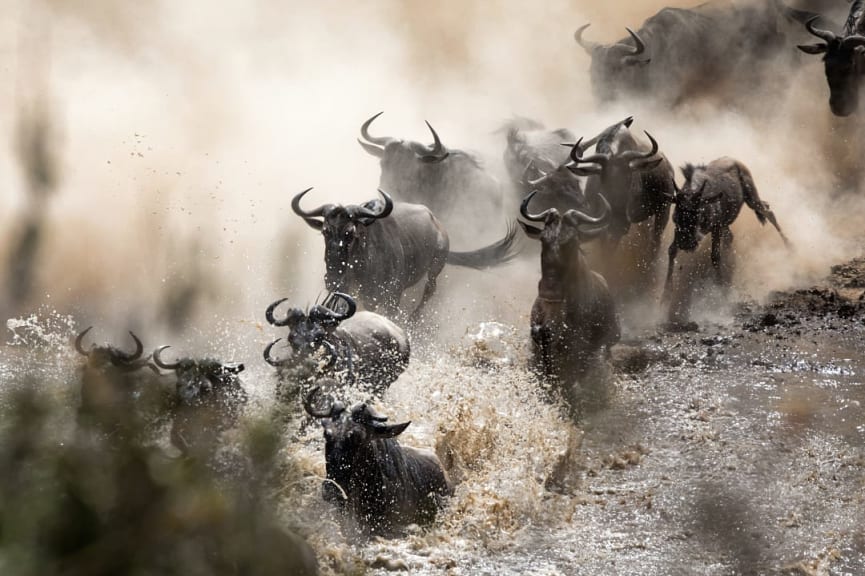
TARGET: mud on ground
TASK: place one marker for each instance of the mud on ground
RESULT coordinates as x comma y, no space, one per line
737,448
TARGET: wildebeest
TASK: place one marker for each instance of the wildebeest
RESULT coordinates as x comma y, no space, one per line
843,57
115,393
683,53
573,317
376,251
362,347
637,184
383,485
209,400
452,183
532,150
537,160
708,203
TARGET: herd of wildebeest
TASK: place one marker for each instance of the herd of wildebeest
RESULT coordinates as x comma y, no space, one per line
569,191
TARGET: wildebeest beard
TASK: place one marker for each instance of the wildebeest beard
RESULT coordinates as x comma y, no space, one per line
343,242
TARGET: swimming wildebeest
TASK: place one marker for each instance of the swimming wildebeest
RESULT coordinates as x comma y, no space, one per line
708,203
209,401
383,485
362,347
115,393
376,251
452,183
637,184
574,317
718,49
844,59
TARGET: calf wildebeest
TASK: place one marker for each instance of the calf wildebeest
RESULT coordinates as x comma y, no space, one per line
209,401
377,251
573,317
452,183
383,485
363,347
708,203
637,184
843,57
115,393
680,54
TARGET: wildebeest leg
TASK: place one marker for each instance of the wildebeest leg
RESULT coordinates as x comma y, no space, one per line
668,285
430,288
722,240
659,224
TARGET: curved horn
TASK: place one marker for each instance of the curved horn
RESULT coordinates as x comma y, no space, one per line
537,181
524,210
271,319
310,216
350,304
79,341
824,35
268,358
639,46
634,157
578,36
364,132
438,152
158,360
577,155
364,212
331,350
584,218
307,405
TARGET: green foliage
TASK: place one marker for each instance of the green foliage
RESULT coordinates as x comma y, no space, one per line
76,500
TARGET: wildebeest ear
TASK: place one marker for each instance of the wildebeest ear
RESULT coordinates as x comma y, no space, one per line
818,48
531,231
382,430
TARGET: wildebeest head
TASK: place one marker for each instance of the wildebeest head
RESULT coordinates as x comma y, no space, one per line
615,65
843,59
109,356
309,331
616,162
346,433
561,237
690,203
344,230
200,380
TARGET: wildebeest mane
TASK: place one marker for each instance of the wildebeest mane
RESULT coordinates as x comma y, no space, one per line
856,19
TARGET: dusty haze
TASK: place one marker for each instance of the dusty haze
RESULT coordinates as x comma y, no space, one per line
182,132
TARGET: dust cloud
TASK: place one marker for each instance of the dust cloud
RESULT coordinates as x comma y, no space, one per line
186,129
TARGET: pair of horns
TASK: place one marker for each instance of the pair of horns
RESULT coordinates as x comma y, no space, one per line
120,356
636,160
375,145
317,312
581,217
358,212
630,52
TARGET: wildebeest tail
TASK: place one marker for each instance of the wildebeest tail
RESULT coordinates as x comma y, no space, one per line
760,208
496,253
